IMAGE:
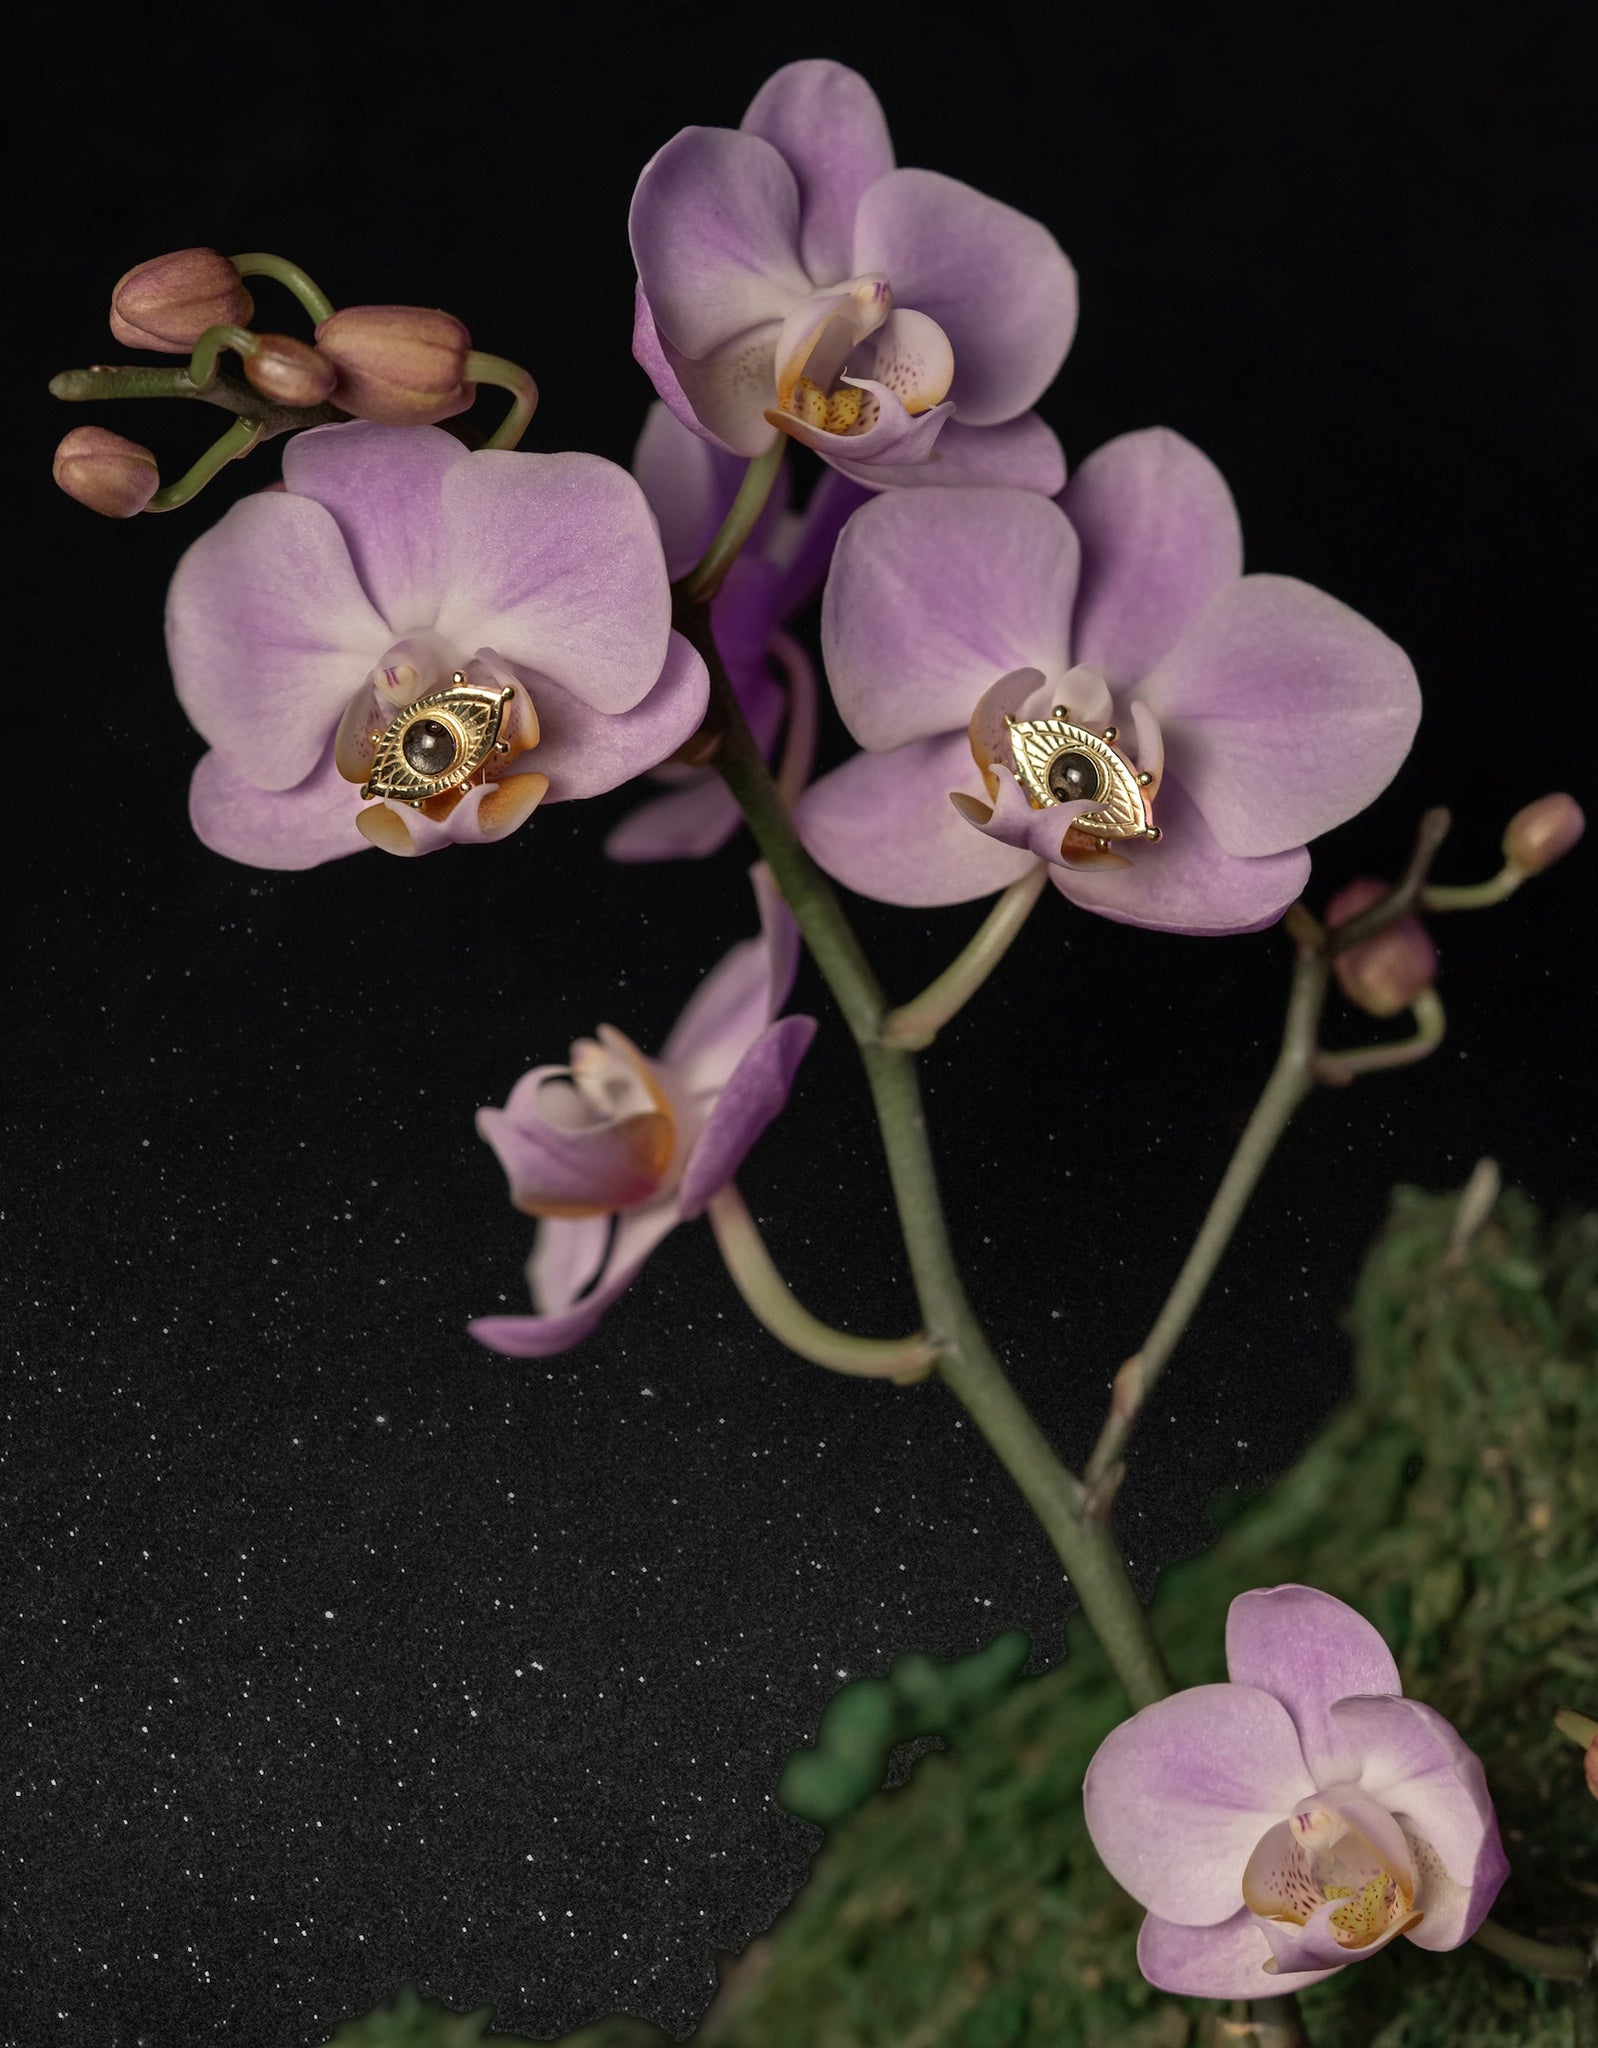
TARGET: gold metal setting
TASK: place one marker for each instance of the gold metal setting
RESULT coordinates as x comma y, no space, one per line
1041,748
438,744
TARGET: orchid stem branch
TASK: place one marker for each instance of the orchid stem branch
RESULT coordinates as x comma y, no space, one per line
1475,895
915,1024
1337,1069
239,439
703,581
1299,1065
1291,1080
145,380
966,1363
766,1295
257,263
1542,1958
507,376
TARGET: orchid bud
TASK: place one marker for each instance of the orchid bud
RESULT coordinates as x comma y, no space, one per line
1383,974
169,302
403,366
106,473
289,372
1543,832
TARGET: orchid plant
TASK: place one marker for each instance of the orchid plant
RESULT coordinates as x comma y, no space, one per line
424,634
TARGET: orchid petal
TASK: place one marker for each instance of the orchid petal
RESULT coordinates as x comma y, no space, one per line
1188,882
1309,1650
820,332
1224,1961
1177,1797
1023,453
752,1098
1160,536
279,828
384,486
584,751
1451,1911
561,1159
690,485
270,634
883,825
685,824
715,235
651,354
1284,712
1420,1769
997,283
739,997
567,1255
829,127
543,1336
487,811
555,561
932,596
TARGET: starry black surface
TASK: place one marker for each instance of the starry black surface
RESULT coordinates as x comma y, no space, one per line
338,1651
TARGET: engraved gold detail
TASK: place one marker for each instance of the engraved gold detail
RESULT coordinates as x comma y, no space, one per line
470,717
1037,745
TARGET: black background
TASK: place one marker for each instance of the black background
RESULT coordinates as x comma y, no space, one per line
342,1651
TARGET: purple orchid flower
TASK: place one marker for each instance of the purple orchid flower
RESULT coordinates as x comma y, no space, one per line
468,634
616,1149
690,485
1297,1819
1257,712
790,278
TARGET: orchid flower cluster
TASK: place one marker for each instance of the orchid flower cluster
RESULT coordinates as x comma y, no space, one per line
423,636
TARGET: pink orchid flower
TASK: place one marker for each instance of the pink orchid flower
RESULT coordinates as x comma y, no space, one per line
1296,1819
616,1149
791,279
496,625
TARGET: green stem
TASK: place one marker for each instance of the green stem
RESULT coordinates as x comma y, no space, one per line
1580,1728
1474,895
139,380
1291,1080
1337,1069
208,351
966,1364
915,1024
702,582
1542,1958
1406,892
511,377
239,439
766,1295
258,264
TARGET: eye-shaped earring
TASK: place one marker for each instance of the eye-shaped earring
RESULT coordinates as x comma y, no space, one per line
439,743
1057,762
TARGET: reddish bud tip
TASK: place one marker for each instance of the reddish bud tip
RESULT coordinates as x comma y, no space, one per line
290,372
1543,832
106,473
1590,1767
169,302
1383,974
403,366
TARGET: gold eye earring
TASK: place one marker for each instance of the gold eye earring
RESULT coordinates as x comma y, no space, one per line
439,743
1057,762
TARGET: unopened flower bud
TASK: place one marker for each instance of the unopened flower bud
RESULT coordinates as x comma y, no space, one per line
290,372
1543,832
106,473
1383,974
169,302
403,366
